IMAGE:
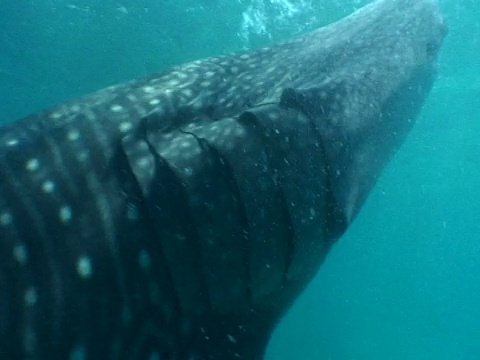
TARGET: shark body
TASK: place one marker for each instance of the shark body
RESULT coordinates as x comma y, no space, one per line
178,216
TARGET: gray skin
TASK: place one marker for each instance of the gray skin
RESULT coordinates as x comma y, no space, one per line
178,216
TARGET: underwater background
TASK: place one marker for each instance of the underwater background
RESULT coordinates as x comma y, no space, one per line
404,282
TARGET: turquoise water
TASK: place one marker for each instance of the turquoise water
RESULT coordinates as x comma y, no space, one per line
404,283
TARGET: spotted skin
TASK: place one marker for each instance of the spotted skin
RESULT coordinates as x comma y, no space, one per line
178,216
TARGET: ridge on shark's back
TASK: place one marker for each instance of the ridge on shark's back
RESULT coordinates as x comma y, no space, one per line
178,216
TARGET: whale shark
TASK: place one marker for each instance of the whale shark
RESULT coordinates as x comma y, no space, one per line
179,215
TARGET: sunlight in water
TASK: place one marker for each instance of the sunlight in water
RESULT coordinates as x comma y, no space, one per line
262,15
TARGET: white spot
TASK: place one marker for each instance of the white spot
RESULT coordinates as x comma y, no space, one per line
185,144
187,92
65,214
209,73
188,171
6,219
274,116
144,260
197,103
148,89
55,115
32,164
84,267
182,75
48,186
173,82
20,254
75,108
205,84
90,115
141,147
239,132
123,10
73,135
234,69
144,162
132,212
12,142
125,126
116,108
132,98
169,152
30,296
154,102
232,339
244,56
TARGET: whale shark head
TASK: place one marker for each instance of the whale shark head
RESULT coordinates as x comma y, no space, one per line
376,68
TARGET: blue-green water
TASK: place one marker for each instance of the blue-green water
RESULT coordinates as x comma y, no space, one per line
404,283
